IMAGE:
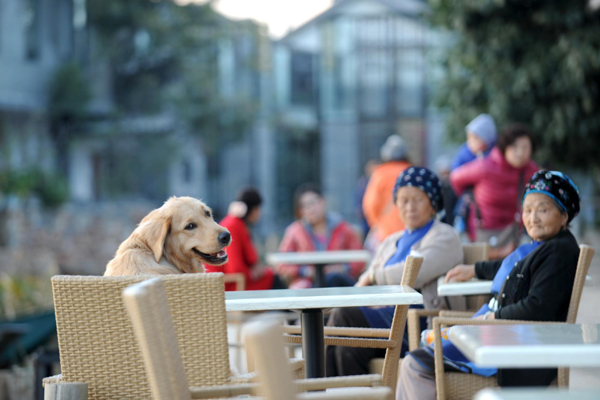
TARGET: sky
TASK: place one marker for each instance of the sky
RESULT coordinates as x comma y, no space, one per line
280,16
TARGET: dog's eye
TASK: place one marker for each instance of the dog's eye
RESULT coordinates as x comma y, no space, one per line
190,226
207,213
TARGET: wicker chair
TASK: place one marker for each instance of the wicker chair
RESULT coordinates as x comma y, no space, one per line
147,306
472,252
97,343
274,372
454,385
389,339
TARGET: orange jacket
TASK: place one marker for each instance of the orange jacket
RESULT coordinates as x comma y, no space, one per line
378,205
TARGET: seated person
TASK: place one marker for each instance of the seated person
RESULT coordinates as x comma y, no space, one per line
418,198
533,283
243,257
317,230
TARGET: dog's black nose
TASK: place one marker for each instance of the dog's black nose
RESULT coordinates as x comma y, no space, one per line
224,237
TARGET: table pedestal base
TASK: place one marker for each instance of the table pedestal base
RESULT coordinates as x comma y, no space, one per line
313,343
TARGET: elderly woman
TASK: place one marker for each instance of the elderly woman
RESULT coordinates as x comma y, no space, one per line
532,283
417,196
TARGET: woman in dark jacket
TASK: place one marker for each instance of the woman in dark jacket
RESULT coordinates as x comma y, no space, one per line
533,283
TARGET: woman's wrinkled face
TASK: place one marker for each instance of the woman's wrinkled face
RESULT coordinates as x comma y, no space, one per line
519,153
541,217
312,207
414,207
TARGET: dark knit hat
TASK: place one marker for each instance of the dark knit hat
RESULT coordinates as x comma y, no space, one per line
423,179
559,187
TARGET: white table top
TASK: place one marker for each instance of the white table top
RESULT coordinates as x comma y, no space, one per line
300,299
471,287
515,346
540,393
319,257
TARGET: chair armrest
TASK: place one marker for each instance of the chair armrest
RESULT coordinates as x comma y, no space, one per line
221,391
380,393
371,380
414,327
343,331
347,341
52,379
456,314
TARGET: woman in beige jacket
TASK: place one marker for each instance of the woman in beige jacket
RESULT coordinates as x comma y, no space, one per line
418,198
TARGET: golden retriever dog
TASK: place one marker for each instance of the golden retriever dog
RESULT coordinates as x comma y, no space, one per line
176,238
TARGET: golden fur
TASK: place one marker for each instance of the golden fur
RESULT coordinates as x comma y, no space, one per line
173,239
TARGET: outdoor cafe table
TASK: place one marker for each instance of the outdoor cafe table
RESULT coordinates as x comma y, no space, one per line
529,346
311,303
319,259
467,288
538,393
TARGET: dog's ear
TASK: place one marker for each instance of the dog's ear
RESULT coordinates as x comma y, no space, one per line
153,231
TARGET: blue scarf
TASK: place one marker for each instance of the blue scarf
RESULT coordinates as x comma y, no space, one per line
382,317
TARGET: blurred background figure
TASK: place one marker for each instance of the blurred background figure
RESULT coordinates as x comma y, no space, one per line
370,166
244,212
378,203
481,137
442,168
498,183
317,230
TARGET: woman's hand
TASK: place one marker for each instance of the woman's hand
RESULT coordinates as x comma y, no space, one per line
257,271
461,273
364,280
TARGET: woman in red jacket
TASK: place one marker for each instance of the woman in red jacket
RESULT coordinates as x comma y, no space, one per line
243,257
317,230
498,182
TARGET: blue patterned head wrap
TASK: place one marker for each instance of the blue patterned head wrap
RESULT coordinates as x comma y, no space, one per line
424,179
557,186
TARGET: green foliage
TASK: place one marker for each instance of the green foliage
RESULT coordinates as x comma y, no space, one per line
166,58
532,61
20,295
51,189
69,93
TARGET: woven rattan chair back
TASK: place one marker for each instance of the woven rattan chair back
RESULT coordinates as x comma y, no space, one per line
98,346
586,253
148,309
473,252
412,266
265,338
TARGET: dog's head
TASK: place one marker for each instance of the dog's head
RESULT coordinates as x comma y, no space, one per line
184,232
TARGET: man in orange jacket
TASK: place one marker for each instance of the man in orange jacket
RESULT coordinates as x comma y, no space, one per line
378,205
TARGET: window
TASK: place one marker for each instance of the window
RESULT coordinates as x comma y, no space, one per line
31,25
303,78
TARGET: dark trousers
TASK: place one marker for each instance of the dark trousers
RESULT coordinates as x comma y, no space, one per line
340,360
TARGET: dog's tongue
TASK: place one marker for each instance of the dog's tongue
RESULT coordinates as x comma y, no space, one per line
221,254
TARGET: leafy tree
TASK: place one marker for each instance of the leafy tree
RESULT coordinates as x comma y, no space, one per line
166,58
532,61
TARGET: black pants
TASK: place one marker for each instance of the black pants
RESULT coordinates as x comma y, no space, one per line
341,361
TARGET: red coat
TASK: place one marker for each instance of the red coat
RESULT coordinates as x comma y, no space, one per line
495,188
242,256
297,239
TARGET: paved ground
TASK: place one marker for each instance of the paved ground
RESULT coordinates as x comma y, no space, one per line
589,312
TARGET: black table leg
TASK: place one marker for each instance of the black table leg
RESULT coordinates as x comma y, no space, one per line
319,275
313,343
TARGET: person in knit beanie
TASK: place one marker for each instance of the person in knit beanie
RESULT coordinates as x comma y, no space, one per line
481,137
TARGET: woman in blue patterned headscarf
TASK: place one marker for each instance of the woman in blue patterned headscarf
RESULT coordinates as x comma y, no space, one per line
533,283
417,196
